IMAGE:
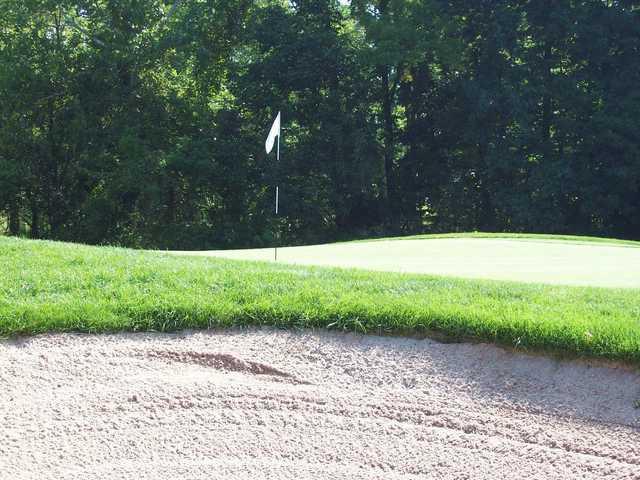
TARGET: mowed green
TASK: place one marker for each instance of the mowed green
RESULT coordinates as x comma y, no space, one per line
53,287
538,259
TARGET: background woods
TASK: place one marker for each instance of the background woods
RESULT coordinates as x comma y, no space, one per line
141,123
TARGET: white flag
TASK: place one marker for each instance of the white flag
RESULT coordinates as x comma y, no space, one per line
275,132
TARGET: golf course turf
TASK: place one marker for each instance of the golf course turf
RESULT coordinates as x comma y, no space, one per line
522,259
53,287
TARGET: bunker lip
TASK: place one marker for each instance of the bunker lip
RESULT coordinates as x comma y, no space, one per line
261,403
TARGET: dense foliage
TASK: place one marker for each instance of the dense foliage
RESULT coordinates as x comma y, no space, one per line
142,122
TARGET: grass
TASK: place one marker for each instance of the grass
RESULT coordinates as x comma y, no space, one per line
515,236
519,259
58,287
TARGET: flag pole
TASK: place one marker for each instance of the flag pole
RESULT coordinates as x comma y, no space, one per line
275,251
268,145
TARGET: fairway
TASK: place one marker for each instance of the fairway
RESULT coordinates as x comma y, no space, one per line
522,259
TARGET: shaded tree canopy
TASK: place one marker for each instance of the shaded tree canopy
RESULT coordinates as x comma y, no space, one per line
142,123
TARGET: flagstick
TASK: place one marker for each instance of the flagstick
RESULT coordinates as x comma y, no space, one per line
275,252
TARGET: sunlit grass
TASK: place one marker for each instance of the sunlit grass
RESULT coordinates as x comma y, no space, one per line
54,287
516,236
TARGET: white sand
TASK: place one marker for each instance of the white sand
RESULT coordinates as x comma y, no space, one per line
261,404
545,261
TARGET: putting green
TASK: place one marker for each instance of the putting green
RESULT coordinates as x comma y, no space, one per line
524,260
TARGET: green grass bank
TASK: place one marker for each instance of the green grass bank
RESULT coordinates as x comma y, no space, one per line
516,236
58,287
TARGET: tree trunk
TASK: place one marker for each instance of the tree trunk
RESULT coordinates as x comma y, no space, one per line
14,217
547,103
170,212
35,220
389,187
389,144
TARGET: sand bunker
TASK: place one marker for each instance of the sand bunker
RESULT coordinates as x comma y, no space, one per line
261,404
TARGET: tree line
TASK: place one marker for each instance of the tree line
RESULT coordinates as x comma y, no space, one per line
142,122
